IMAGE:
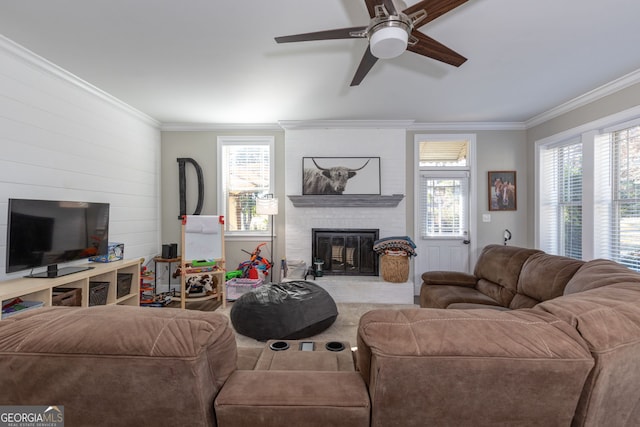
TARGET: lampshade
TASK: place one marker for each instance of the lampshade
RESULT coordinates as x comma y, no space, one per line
388,42
267,205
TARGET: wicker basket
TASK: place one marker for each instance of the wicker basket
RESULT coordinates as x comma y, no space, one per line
394,268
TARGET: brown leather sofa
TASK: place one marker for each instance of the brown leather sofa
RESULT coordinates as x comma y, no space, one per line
571,356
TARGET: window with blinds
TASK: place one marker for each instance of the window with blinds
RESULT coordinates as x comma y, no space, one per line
561,199
245,170
443,206
589,198
624,228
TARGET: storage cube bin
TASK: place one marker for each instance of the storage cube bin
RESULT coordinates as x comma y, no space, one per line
70,297
98,292
124,284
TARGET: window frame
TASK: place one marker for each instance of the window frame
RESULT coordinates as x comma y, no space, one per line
223,141
597,199
554,200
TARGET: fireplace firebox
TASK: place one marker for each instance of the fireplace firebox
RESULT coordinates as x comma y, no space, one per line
346,252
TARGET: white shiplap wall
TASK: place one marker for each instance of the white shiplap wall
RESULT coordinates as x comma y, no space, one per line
63,139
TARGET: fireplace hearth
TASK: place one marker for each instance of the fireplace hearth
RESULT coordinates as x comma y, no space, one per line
346,252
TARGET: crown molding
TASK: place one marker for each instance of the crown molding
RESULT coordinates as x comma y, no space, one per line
458,126
201,127
42,64
345,124
587,98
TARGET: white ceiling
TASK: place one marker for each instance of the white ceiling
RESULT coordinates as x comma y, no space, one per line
215,62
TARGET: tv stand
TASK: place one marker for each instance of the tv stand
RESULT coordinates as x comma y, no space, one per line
37,289
54,271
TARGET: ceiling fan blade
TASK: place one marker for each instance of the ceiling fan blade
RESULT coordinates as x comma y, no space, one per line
371,4
391,8
427,46
388,4
434,9
367,62
340,33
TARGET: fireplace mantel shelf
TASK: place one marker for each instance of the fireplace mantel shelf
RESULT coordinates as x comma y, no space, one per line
346,201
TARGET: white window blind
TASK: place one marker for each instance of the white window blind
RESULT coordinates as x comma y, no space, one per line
618,226
561,199
443,205
245,175
609,216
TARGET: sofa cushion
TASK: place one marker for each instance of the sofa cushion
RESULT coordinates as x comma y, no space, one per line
471,306
471,367
441,296
543,277
597,273
498,267
608,319
449,278
293,398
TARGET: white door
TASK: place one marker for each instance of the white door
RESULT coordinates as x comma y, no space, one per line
443,239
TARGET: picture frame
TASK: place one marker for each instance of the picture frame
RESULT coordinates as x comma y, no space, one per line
502,191
340,175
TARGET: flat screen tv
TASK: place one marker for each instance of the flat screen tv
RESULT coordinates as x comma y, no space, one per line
46,233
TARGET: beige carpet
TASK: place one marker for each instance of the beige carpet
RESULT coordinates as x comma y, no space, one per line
343,329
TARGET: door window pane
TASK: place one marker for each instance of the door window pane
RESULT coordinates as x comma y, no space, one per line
443,203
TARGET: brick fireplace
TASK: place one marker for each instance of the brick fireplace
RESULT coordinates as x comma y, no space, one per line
346,282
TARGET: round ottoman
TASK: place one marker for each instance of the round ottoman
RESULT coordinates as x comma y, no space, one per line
284,311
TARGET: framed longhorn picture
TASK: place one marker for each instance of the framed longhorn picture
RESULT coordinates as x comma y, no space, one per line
502,191
340,175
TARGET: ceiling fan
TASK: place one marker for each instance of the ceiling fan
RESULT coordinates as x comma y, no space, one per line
391,32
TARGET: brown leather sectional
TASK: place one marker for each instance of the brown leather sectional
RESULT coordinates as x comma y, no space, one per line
528,339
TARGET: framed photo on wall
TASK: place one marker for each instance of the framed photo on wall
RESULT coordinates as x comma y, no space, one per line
340,175
502,191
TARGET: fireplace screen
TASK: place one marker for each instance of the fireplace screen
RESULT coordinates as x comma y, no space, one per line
346,252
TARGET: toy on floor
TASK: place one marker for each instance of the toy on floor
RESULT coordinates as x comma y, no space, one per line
257,267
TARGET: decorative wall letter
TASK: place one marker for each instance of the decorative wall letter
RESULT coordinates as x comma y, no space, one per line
183,185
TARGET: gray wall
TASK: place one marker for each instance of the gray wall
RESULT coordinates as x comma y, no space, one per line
497,150
202,147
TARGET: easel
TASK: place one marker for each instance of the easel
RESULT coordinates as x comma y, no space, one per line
203,239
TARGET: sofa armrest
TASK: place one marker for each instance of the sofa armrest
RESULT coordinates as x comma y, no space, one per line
454,367
449,278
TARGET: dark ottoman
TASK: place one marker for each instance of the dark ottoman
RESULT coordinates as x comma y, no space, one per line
284,311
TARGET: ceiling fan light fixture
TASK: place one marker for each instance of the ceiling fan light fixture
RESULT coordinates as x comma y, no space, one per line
388,42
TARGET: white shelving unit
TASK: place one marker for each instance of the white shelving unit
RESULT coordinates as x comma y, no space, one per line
41,289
